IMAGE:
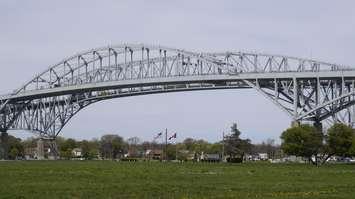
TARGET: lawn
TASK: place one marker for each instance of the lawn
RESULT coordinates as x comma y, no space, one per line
107,179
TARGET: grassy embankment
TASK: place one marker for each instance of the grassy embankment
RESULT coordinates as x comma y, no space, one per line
106,179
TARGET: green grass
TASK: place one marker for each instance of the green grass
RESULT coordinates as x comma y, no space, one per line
106,179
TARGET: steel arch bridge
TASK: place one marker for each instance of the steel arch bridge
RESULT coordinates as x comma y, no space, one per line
305,89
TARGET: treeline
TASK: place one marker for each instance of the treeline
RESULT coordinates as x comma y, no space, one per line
115,147
306,141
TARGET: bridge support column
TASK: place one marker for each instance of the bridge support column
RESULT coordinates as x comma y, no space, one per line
4,145
40,149
318,125
53,147
295,123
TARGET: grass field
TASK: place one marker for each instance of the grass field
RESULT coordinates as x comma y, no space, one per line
106,179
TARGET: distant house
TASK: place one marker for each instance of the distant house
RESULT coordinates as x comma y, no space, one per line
293,158
263,156
154,154
134,153
211,157
191,157
30,153
77,152
186,155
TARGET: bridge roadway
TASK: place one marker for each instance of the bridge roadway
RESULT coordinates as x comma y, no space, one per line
306,90
57,91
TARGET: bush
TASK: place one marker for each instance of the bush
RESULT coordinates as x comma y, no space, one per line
235,160
129,159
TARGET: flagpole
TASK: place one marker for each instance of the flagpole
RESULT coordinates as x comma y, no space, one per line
176,151
223,147
166,144
162,147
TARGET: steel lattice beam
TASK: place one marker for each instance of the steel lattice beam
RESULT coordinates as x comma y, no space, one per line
305,89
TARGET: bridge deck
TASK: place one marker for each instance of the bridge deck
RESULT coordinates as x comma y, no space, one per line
32,94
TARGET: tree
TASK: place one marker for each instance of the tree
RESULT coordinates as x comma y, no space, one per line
112,146
68,144
14,153
236,147
235,130
133,140
30,142
352,148
132,146
304,140
90,149
4,145
270,148
10,147
15,147
339,140
215,148
59,141
171,151
66,154
189,144
85,149
200,146
66,147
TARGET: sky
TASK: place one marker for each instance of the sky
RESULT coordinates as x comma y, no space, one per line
36,34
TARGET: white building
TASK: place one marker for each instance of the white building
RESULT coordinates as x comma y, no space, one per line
263,156
77,152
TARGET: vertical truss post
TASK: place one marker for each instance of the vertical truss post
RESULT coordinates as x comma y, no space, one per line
295,102
345,90
131,62
352,108
3,123
276,90
165,65
317,122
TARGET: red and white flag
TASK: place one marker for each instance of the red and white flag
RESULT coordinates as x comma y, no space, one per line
173,136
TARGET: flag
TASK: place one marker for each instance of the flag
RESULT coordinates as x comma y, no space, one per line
173,136
157,136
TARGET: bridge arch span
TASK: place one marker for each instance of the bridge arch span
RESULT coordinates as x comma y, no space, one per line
305,89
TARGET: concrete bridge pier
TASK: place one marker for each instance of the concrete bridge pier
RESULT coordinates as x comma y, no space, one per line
53,149
295,123
47,148
4,145
318,125
40,149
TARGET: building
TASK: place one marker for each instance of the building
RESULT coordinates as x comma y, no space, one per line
154,154
263,156
30,153
39,151
211,157
77,152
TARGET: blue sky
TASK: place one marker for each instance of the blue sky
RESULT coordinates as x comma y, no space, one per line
36,34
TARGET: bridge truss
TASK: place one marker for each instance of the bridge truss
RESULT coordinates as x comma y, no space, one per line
306,90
